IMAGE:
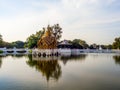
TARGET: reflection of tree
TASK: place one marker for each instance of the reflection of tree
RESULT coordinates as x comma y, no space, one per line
65,59
49,68
18,55
0,62
117,59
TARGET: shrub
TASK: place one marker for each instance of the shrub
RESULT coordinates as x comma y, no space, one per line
30,51
1,51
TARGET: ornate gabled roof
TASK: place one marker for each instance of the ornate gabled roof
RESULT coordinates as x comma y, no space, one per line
65,42
47,41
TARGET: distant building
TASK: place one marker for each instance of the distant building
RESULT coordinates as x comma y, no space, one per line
65,44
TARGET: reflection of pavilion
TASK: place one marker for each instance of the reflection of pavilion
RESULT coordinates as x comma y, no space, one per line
49,68
65,59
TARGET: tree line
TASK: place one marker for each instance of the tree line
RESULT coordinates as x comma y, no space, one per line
31,41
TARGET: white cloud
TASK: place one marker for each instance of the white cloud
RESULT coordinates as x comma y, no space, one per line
26,23
77,18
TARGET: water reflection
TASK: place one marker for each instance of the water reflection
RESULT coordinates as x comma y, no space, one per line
65,59
1,57
117,59
48,68
96,72
18,55
0,61
12,55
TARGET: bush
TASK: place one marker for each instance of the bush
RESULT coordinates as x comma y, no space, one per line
30,51
1,51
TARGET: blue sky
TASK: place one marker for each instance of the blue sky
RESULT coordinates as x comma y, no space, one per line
95,21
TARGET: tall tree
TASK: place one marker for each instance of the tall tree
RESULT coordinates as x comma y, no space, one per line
116,43
1,38
18,44
57,31
1,41
32,40
80,42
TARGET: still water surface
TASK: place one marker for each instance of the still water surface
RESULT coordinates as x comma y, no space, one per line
85,72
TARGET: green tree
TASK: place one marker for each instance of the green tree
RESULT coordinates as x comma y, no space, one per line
7,45
109,46
80,42
116,43
32,40
18,44
1,38
1,41
57,31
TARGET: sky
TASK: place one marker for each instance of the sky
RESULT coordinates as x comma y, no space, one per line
95,21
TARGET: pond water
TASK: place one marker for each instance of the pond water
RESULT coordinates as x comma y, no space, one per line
84,72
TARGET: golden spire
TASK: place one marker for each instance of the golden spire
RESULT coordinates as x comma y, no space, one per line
47,41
